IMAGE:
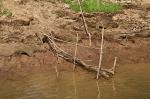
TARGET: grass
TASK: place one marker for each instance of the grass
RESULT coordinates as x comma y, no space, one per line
93,6
4,11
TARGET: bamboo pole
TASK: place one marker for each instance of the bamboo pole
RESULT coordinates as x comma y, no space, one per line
114,66
101,54
112,70
75,53
85,25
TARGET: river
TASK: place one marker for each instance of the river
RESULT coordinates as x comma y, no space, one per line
129,82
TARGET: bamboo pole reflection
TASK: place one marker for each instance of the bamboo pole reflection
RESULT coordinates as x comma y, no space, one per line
114,88
99,95
75,87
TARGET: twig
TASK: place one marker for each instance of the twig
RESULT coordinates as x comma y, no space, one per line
101,54
75,52
84,22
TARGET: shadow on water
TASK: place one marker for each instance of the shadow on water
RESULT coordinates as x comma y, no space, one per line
130,82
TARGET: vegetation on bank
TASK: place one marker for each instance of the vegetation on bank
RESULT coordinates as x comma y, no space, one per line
94,6
4,11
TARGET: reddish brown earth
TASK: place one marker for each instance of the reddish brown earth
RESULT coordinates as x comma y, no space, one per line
127,35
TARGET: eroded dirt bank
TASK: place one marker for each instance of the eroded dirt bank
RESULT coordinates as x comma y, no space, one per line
127,34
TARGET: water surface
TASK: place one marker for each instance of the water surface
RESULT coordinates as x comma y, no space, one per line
130,82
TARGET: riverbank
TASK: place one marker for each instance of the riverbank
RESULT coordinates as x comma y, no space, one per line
127,34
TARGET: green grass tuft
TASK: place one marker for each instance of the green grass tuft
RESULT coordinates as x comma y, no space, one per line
4,11
93,6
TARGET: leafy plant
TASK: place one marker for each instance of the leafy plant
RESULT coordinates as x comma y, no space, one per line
94,6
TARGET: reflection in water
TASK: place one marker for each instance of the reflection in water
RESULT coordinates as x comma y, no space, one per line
114,88
98,90
75,87
131,82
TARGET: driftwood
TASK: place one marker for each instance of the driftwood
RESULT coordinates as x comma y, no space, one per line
61,53
142,34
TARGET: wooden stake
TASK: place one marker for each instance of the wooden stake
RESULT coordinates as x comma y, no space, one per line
75,53
101,54
115,62
112,70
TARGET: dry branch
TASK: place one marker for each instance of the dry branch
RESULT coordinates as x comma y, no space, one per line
142,34
61,53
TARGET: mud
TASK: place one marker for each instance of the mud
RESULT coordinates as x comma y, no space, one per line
126,34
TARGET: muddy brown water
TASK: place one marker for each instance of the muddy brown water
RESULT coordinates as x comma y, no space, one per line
130,82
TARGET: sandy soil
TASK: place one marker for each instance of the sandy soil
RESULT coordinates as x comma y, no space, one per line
127,34
146,1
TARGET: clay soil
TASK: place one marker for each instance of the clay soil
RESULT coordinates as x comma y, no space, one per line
127,35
